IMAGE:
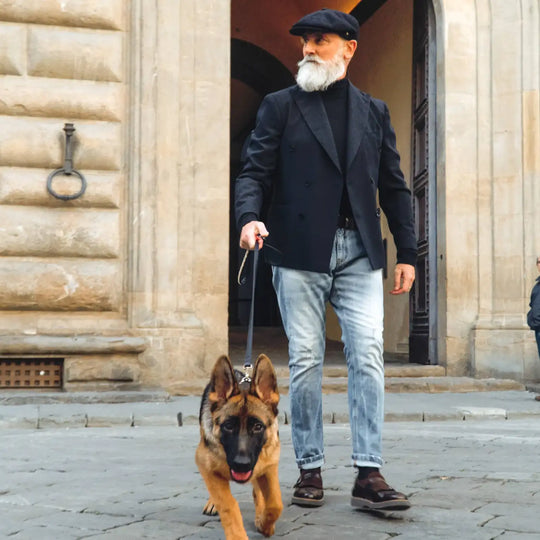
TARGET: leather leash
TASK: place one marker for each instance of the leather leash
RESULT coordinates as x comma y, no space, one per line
248,366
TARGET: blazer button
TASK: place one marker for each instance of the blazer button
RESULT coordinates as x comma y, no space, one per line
301,216
378,212
307,184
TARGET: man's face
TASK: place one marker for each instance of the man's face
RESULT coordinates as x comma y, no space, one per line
326,57
325,46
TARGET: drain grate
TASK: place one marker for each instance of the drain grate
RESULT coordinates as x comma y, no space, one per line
31,372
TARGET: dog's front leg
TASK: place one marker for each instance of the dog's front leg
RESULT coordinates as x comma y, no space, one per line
268,503
226,505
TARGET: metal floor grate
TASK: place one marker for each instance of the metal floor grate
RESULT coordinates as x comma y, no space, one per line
31,372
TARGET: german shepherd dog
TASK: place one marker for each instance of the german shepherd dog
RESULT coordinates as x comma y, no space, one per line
240,442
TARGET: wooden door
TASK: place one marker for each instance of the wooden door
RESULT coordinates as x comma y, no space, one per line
422,338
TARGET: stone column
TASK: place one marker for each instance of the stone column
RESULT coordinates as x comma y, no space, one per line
178,257
502,343
457,161
491,139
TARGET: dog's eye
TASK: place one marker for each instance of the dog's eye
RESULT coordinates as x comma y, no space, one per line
258,427
228,425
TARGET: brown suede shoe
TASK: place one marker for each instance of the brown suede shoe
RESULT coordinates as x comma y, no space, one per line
309,488
373,493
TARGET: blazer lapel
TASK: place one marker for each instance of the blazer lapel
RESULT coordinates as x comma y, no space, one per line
312,109
358,118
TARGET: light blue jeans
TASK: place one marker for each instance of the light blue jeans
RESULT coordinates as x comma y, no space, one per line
356,293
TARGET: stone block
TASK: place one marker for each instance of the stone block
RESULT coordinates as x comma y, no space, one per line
106,14
20,417
120,368
481,413
23,186
161,363
61,285
155,420
500,352
63,53
93,421
520,517
531,131
97,145
46,232
62,421
12,49
65,98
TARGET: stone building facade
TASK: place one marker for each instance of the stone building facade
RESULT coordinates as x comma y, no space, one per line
128,285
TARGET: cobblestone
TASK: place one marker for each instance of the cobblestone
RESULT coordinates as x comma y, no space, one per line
466,479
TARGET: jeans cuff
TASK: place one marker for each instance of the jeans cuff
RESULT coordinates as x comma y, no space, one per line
311,462
367,460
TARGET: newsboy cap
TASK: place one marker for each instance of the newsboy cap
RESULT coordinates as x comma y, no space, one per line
327,21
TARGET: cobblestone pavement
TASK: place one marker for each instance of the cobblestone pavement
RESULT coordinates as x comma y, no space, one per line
467,480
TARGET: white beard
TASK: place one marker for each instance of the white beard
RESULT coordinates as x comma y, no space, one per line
315,74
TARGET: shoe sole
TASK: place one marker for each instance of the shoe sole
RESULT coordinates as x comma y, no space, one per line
307,502
365,504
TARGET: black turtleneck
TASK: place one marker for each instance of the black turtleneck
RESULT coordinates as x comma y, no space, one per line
335,100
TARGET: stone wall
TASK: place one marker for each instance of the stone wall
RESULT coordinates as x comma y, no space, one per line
61,66
122,282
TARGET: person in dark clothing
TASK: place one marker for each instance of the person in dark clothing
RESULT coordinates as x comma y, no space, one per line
321,152
533,316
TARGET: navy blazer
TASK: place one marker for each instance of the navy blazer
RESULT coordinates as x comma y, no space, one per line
292,164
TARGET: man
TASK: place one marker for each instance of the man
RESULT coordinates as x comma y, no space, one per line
320,151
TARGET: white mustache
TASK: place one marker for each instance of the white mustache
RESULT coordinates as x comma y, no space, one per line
310,58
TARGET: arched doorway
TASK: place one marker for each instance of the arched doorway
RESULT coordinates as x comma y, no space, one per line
386,67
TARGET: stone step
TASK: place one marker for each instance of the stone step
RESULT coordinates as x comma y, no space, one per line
428,385
400,384
392,370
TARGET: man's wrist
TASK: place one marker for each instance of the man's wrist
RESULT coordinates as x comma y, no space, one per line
247,218
407,256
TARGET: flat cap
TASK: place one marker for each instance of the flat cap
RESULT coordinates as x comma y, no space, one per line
327,21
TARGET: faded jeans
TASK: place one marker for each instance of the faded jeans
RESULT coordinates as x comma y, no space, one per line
356,293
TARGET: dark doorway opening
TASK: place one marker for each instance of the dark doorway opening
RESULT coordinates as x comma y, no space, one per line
254,73
422,335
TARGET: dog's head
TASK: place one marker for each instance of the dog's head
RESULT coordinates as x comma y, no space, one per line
243,418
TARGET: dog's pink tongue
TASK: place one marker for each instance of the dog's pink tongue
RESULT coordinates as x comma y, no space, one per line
240,476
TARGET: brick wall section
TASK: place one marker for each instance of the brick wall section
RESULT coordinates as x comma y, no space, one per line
62,61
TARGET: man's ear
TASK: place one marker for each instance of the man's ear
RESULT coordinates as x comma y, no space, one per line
350,48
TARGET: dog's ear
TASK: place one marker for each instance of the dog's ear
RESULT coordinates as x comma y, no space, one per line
223,382
264,382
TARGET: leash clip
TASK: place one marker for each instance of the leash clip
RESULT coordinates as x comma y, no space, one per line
248,372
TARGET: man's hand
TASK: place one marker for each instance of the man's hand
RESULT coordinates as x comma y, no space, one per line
252,232
403,278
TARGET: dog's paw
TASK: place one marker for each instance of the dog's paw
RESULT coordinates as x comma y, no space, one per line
265,528
209,509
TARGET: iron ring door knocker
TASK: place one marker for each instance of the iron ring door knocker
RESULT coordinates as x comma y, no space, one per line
67,169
